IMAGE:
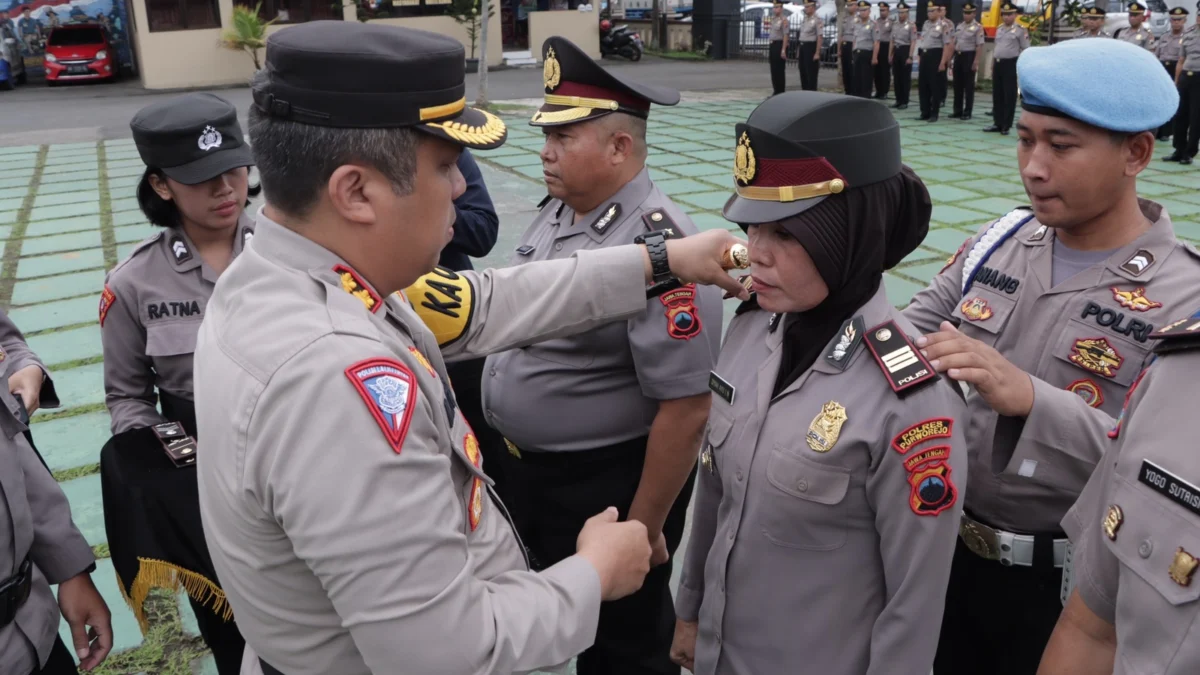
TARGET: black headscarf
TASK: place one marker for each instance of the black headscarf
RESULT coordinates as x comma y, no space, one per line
852,237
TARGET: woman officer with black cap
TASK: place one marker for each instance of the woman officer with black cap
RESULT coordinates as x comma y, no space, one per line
825,543
195,187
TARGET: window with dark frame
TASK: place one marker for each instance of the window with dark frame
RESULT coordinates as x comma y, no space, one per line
167,15
406,8
295,11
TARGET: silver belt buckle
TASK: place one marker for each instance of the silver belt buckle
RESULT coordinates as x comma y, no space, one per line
982,540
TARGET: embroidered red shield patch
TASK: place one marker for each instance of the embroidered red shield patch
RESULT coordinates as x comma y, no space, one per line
475,506
107,298
932,489
389,389
1088,391
683,321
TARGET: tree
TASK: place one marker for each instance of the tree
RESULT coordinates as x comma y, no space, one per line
247,32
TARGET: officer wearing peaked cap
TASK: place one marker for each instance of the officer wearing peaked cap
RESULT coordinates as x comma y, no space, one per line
1168,49
611,416
1046,314
900,55
1137,32
932,65
1011,39
968,47
1093,23
343,495
851,519
1187,79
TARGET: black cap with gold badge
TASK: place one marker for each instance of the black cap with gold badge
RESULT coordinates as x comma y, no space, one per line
1008,8
786,160
969,8
863,4
1136,8
1178,11
579,89
1093,11
353,75
902,5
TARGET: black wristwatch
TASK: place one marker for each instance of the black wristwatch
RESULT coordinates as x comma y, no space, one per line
656,246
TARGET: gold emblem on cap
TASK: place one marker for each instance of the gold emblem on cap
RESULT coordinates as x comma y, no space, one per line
826,427
1182,567
551,71
744,166
1112,521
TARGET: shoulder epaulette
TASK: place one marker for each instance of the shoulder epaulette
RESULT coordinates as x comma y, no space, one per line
141,246
1178,335
901,362
995,236
658,219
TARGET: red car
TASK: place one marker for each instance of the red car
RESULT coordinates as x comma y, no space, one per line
79,52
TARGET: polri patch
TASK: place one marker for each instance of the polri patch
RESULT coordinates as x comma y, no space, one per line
849,337
107,298
721,388
389,389
1139,262
932,490
1112,319
607,218
936,427
1170,486
1088,391
904,366
354,285
683,321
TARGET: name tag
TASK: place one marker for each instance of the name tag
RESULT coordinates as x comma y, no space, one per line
524,250
1172,487
721,388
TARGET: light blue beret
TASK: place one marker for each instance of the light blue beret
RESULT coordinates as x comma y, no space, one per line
1111,84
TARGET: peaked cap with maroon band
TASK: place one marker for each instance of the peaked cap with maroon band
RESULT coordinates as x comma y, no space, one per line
579,89
792,153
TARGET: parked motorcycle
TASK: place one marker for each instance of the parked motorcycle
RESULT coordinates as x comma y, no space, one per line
620,41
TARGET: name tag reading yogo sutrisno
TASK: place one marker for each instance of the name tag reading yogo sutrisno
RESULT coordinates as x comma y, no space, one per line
1170,486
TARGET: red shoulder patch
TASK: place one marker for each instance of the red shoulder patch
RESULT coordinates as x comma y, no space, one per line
683,321
389,389
932,489
475,506
950,261
107,298
936,427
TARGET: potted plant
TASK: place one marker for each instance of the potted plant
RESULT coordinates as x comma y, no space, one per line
466,14
247,32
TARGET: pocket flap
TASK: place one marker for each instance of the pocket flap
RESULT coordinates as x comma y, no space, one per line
1148,542
807,480
985,309
171,338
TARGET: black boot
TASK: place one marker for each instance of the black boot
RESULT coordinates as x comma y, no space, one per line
966,117
1186,160
992,129
1173,157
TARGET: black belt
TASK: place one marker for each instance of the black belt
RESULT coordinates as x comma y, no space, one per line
14,592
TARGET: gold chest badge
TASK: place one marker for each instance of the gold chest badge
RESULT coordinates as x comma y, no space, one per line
976,309
1112,521
1182,567
826,427
551,71
743,161
1135,299
1097,356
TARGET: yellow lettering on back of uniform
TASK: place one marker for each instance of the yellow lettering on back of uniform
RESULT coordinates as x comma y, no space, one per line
445,301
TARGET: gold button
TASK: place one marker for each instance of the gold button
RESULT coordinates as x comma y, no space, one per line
837,185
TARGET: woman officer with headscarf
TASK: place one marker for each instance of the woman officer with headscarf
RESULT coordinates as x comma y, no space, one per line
833,466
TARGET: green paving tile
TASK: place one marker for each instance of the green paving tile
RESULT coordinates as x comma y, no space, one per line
1189,180
18,150
125,203
42,228
87,507
899,291
996,169
4,230
67,187
932,176
11,180
684,146
70,442
126,634
205,665
709,221
20,163
954,215
1187,229
990,186
1179,209
995,205
55,314
68,345
514,160
668,159
124,250
59,263
944,161
1189,197
501,151
714,155
709,201
946,240
58,287
116,163
949,193
82,165
8,217
72,197
700,169
12,203
924,273
534,172
64,211
70,177
18,192
82,385
61,242
128,218
683,186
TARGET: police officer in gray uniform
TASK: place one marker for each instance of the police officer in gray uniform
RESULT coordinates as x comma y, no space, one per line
934,37
1187,79
1045,314
822,548
1137,32
1092,19
883,46
900,55
864,47
39,544
1169,49
812,36
968,46
846,47
612,416
195,188
345,501
1138,522
1011,39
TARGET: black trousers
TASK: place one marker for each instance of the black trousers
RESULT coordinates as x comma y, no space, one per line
882,71
1004,92
964,83
846,53
861,82
222,637
902,72
809,69
554,493
1169,128
778,65
927,80
60,661
998,619
943,80
1187,120
466,378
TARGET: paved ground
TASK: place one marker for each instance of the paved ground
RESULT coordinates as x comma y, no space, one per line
67,214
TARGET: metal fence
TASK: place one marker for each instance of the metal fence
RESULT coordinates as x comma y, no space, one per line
753,43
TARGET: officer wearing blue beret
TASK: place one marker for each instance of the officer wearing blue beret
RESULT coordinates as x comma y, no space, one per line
1047,313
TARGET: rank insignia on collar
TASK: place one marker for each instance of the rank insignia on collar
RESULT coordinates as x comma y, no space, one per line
1182,567
475,503
389,389
1096,355
938,427
900,361
1138,263
354,285
1039,234
1088,391
422,360
107,298
610,215
773,322
659,220
932,489
1112,521
976,309
1135,299
180,250
847,341
247,236
826,427
683,321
